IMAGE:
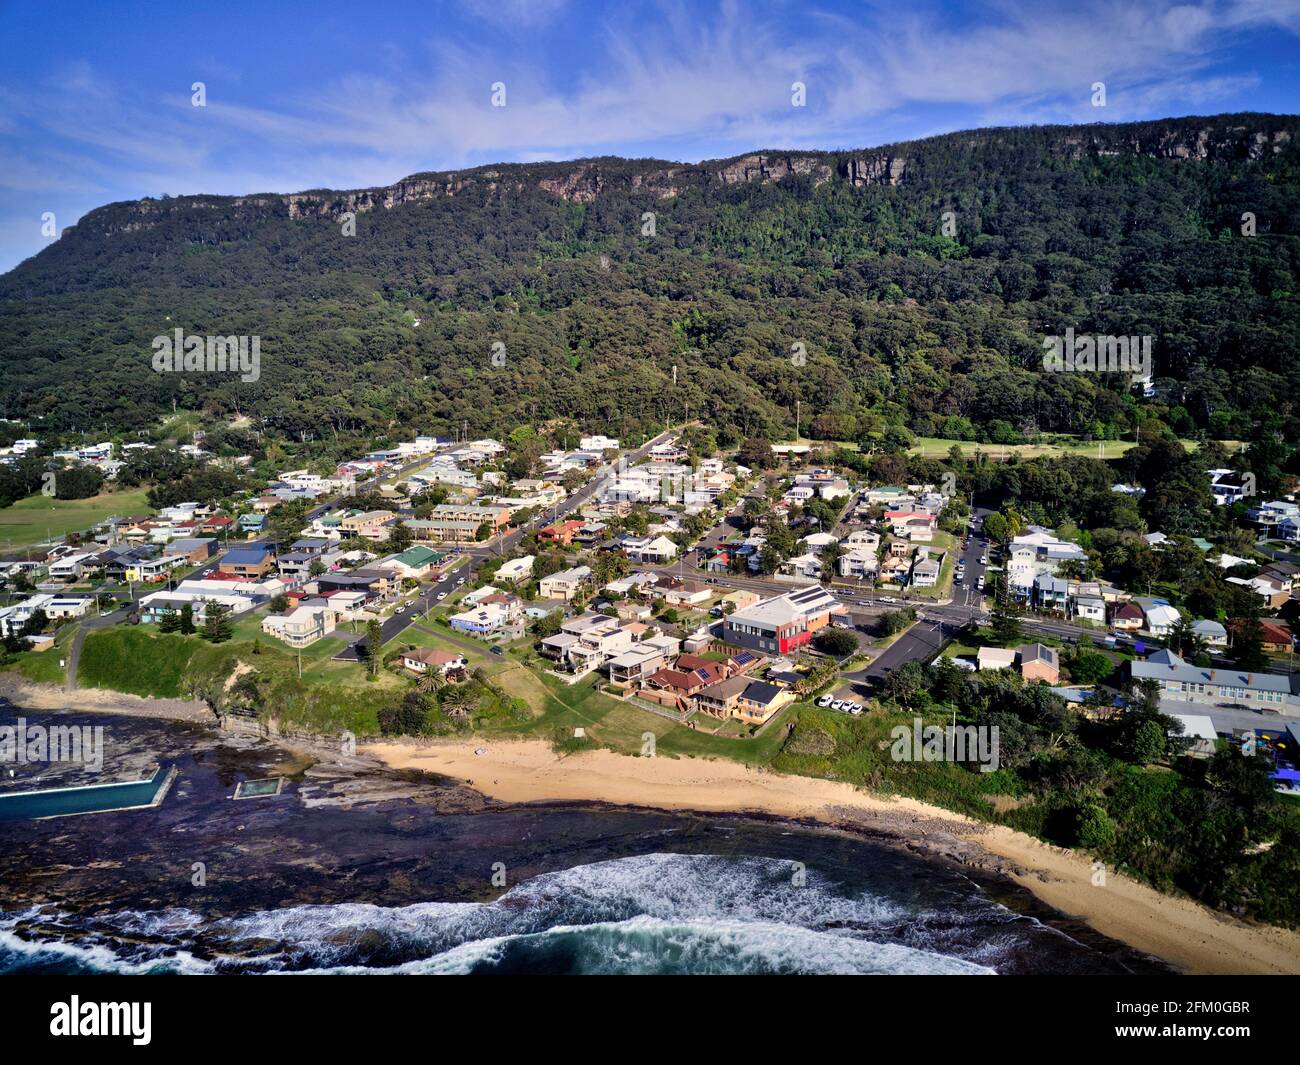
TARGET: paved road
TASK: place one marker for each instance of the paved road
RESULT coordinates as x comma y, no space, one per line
393,626
503,546
103,621
919,643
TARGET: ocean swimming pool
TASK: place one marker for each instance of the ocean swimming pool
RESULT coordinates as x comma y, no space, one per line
90,799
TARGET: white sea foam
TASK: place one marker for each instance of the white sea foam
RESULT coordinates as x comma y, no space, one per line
650,913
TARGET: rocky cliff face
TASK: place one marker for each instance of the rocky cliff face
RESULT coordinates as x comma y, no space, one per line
1225,138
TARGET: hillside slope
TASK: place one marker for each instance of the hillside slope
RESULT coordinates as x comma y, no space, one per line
1123,229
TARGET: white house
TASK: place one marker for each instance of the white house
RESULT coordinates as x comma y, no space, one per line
598,442
653,550
516,570
1038,551
1161,618
858,562
302,626
1214,634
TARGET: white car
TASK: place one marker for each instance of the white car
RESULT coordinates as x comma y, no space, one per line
825,700
855,709
442,596
888,599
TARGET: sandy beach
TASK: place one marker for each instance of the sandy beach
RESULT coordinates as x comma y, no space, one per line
1179,931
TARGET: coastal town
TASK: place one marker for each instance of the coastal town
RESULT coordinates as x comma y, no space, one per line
696,586
681,489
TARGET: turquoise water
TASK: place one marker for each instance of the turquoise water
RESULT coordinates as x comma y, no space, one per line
58,802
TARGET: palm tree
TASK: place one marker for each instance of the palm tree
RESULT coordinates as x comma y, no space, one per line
457,703
431,680
1185,640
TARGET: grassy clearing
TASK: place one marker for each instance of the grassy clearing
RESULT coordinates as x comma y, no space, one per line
329,697
938,447
136,661
617,725
857,750
37,518
40,666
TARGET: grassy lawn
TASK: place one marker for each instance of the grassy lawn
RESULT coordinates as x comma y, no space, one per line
857,750
330,696
40,666
34,519
950,546
619,725
938,447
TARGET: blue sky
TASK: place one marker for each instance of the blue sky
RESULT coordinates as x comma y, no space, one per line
95,97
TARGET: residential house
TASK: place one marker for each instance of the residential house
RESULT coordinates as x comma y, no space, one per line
807,566
488,617
1160,617
423,659
68,606
302,626
996,658
1214,634
565,584
248,561
739,599
1276,635
655,550
1126,617
1039,662
648,656
12,618
676,591
368,525
858,562
413,563
193,550
760,701
925,570
1271,514
562,532
915,525
1267,588
74,566
515,570
1038,551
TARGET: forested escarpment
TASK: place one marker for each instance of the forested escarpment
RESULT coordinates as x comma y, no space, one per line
1126,229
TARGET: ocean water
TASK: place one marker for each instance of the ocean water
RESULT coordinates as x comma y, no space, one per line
406,886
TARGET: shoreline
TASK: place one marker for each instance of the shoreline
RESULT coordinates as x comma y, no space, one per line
36,695
1180,931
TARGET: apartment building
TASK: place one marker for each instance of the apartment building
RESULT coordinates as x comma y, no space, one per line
782,623
1037,552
